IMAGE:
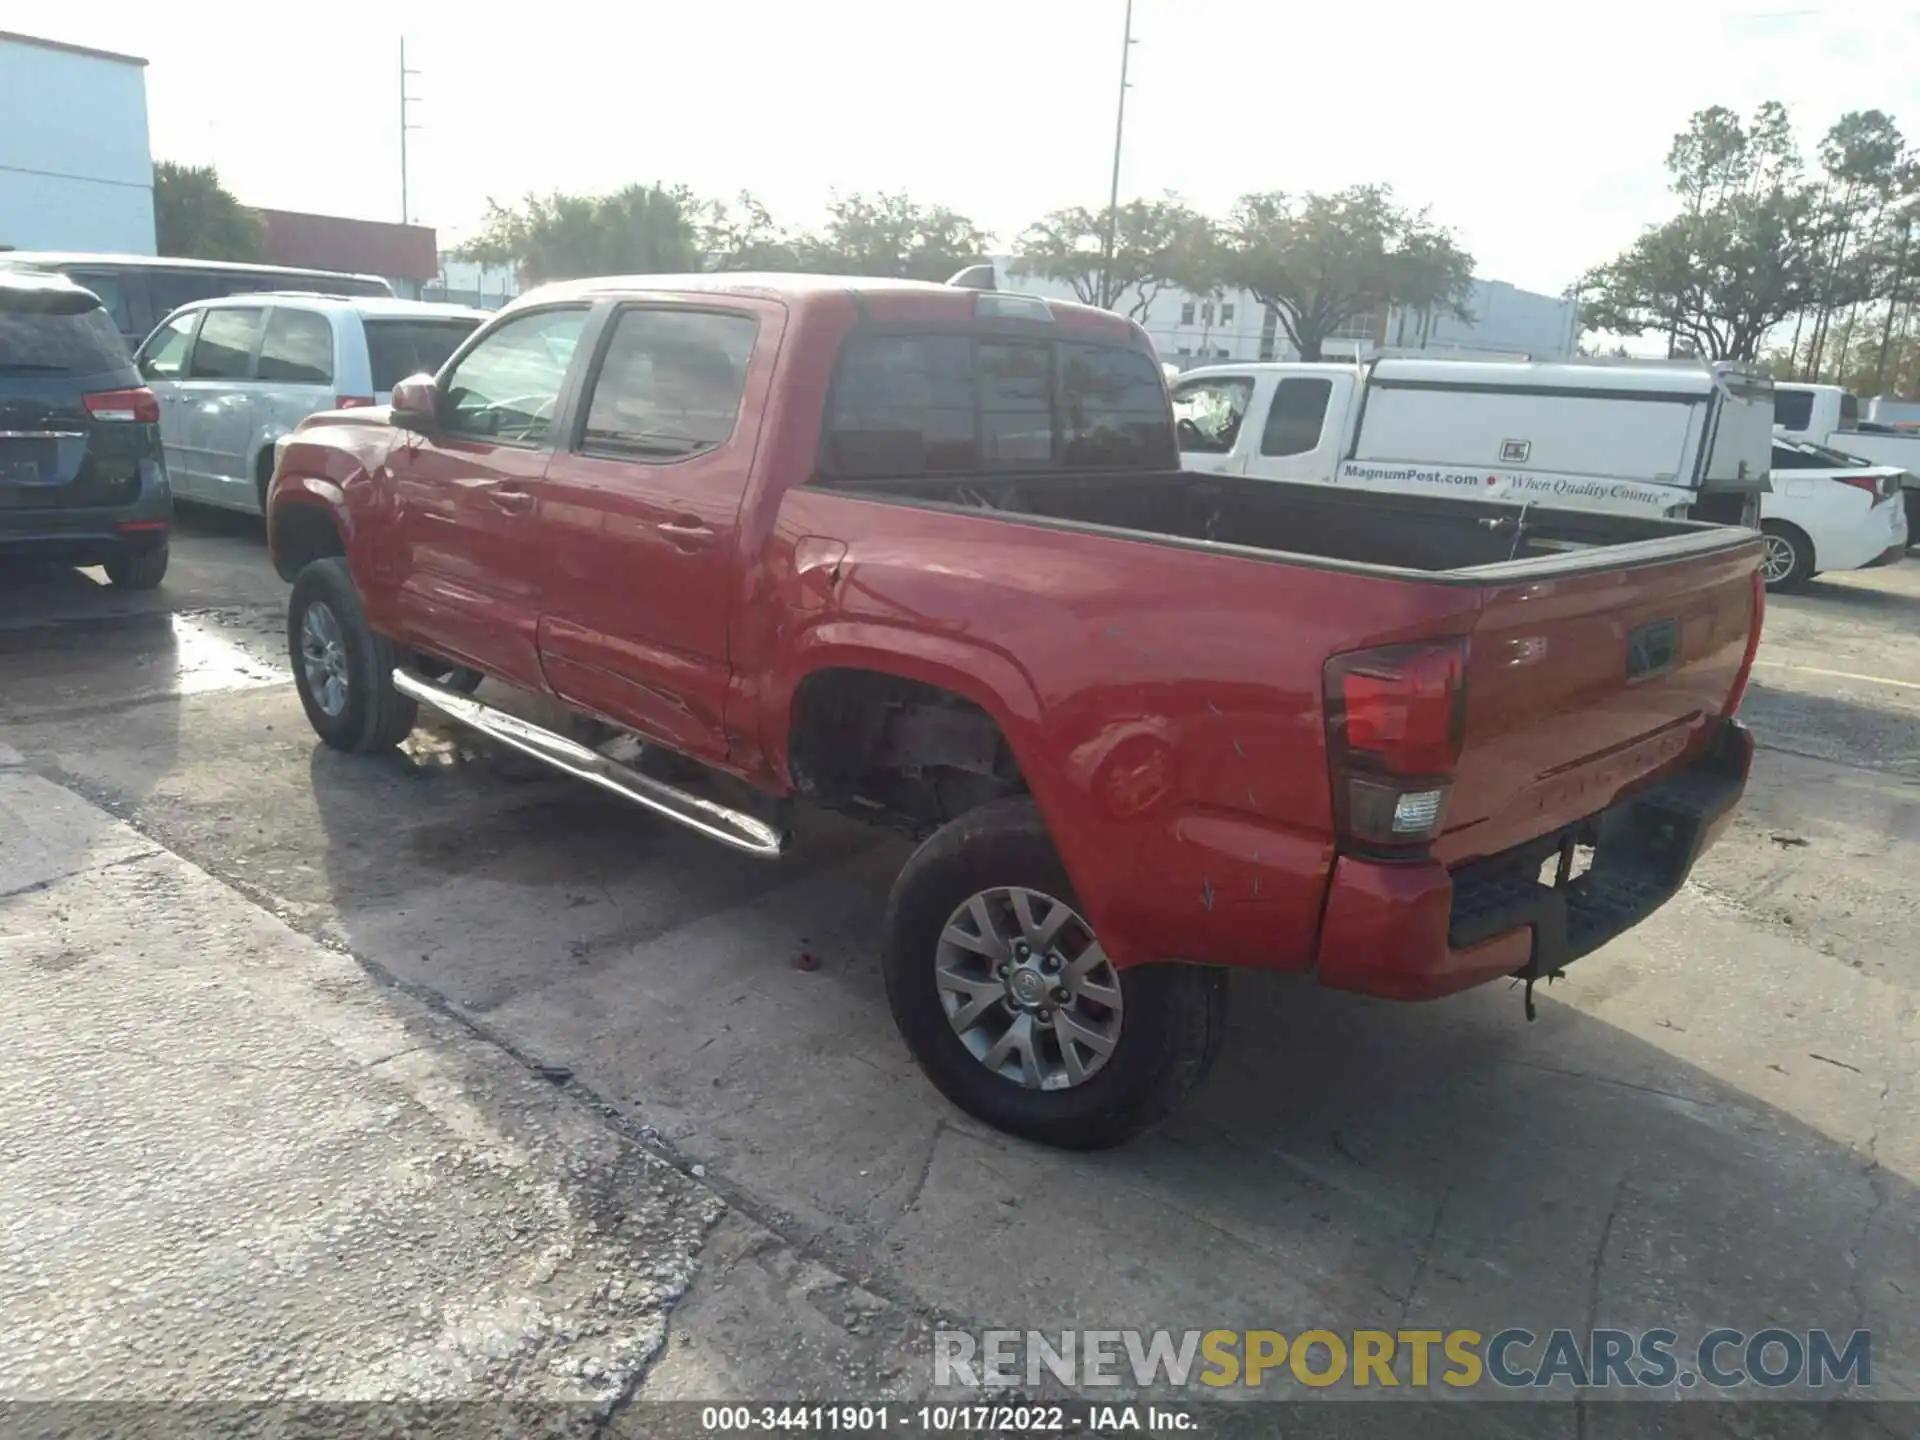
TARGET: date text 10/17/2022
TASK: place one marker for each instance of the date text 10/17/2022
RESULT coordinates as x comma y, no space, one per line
1032,1419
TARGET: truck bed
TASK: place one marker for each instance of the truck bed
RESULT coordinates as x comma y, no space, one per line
1445,538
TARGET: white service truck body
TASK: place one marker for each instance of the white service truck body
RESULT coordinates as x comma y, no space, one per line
1652,438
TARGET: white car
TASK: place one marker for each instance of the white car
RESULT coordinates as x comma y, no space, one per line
235,375
1828,511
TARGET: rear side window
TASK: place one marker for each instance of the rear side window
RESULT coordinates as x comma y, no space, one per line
1114,410
945,404
670,384
1793,409
1295,419
112,293
399,348
45,332
225,348
1849,410
168,290
298,348
1785,459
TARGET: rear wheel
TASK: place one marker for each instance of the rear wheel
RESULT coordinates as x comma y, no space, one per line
1011,1006
1787,561
342,670
138,572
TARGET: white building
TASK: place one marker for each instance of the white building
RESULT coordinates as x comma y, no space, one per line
1191,330
75,170
461,282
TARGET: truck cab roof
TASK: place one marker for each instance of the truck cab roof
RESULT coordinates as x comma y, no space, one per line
878,298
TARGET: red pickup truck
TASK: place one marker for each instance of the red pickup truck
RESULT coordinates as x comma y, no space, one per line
922,553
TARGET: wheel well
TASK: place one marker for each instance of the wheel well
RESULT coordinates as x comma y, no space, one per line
302,534
263,472
897,751
1787,527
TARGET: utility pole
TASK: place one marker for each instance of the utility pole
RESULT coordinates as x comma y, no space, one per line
1107,296
406,212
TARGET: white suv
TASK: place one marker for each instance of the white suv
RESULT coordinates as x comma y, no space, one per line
236,374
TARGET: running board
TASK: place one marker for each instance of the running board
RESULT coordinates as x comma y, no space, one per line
711,819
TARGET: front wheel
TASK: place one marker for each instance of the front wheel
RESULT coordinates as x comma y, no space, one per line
341,668
1787,561
1008,1002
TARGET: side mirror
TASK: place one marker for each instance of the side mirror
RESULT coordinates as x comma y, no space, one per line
416,403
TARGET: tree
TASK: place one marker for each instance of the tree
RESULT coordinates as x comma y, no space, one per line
1319,261
1158,245
745,237
1718,282
196,217
891,235
639,230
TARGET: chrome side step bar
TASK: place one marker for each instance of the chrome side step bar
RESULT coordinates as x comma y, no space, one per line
711,819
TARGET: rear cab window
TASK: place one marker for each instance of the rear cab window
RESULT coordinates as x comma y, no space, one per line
398,348
952,402
1793,409
57,332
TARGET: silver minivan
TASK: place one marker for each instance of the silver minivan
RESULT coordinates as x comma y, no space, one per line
234,375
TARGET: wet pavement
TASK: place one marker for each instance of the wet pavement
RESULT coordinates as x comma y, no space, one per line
1712,1122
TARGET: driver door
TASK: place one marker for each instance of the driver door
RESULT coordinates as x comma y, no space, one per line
467,498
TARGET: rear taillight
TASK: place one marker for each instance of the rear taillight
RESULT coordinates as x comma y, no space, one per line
127,407
1395,720
1745,672
1880,487
352,402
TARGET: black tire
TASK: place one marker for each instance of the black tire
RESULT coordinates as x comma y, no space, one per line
1800,570
143,571
1174,1015
375,716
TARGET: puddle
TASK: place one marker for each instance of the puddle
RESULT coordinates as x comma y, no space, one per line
204,661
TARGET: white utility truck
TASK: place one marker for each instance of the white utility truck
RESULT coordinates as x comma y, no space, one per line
1665,438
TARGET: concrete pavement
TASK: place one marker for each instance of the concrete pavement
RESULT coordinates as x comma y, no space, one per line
238,1166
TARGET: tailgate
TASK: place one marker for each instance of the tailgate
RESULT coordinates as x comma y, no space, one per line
1579,688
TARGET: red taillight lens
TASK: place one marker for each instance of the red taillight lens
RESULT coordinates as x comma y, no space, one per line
127,407
1395,718
1745,672
1875,486
352,402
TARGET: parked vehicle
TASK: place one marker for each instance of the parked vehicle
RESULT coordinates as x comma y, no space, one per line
1829,416
140,291
234,376
921,554
1646,438
1828,511
82,481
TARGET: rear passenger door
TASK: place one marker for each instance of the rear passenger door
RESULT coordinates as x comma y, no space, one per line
216,403
640,519
293,379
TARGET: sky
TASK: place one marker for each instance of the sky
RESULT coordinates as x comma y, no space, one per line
1537,138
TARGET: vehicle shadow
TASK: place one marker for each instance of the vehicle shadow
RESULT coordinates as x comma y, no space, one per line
213,522
1835,727
1350,1163
1833,593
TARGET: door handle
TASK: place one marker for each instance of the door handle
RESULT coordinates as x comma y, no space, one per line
687,531
514,502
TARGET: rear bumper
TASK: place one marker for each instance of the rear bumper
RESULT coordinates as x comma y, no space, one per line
86,535
1417,931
